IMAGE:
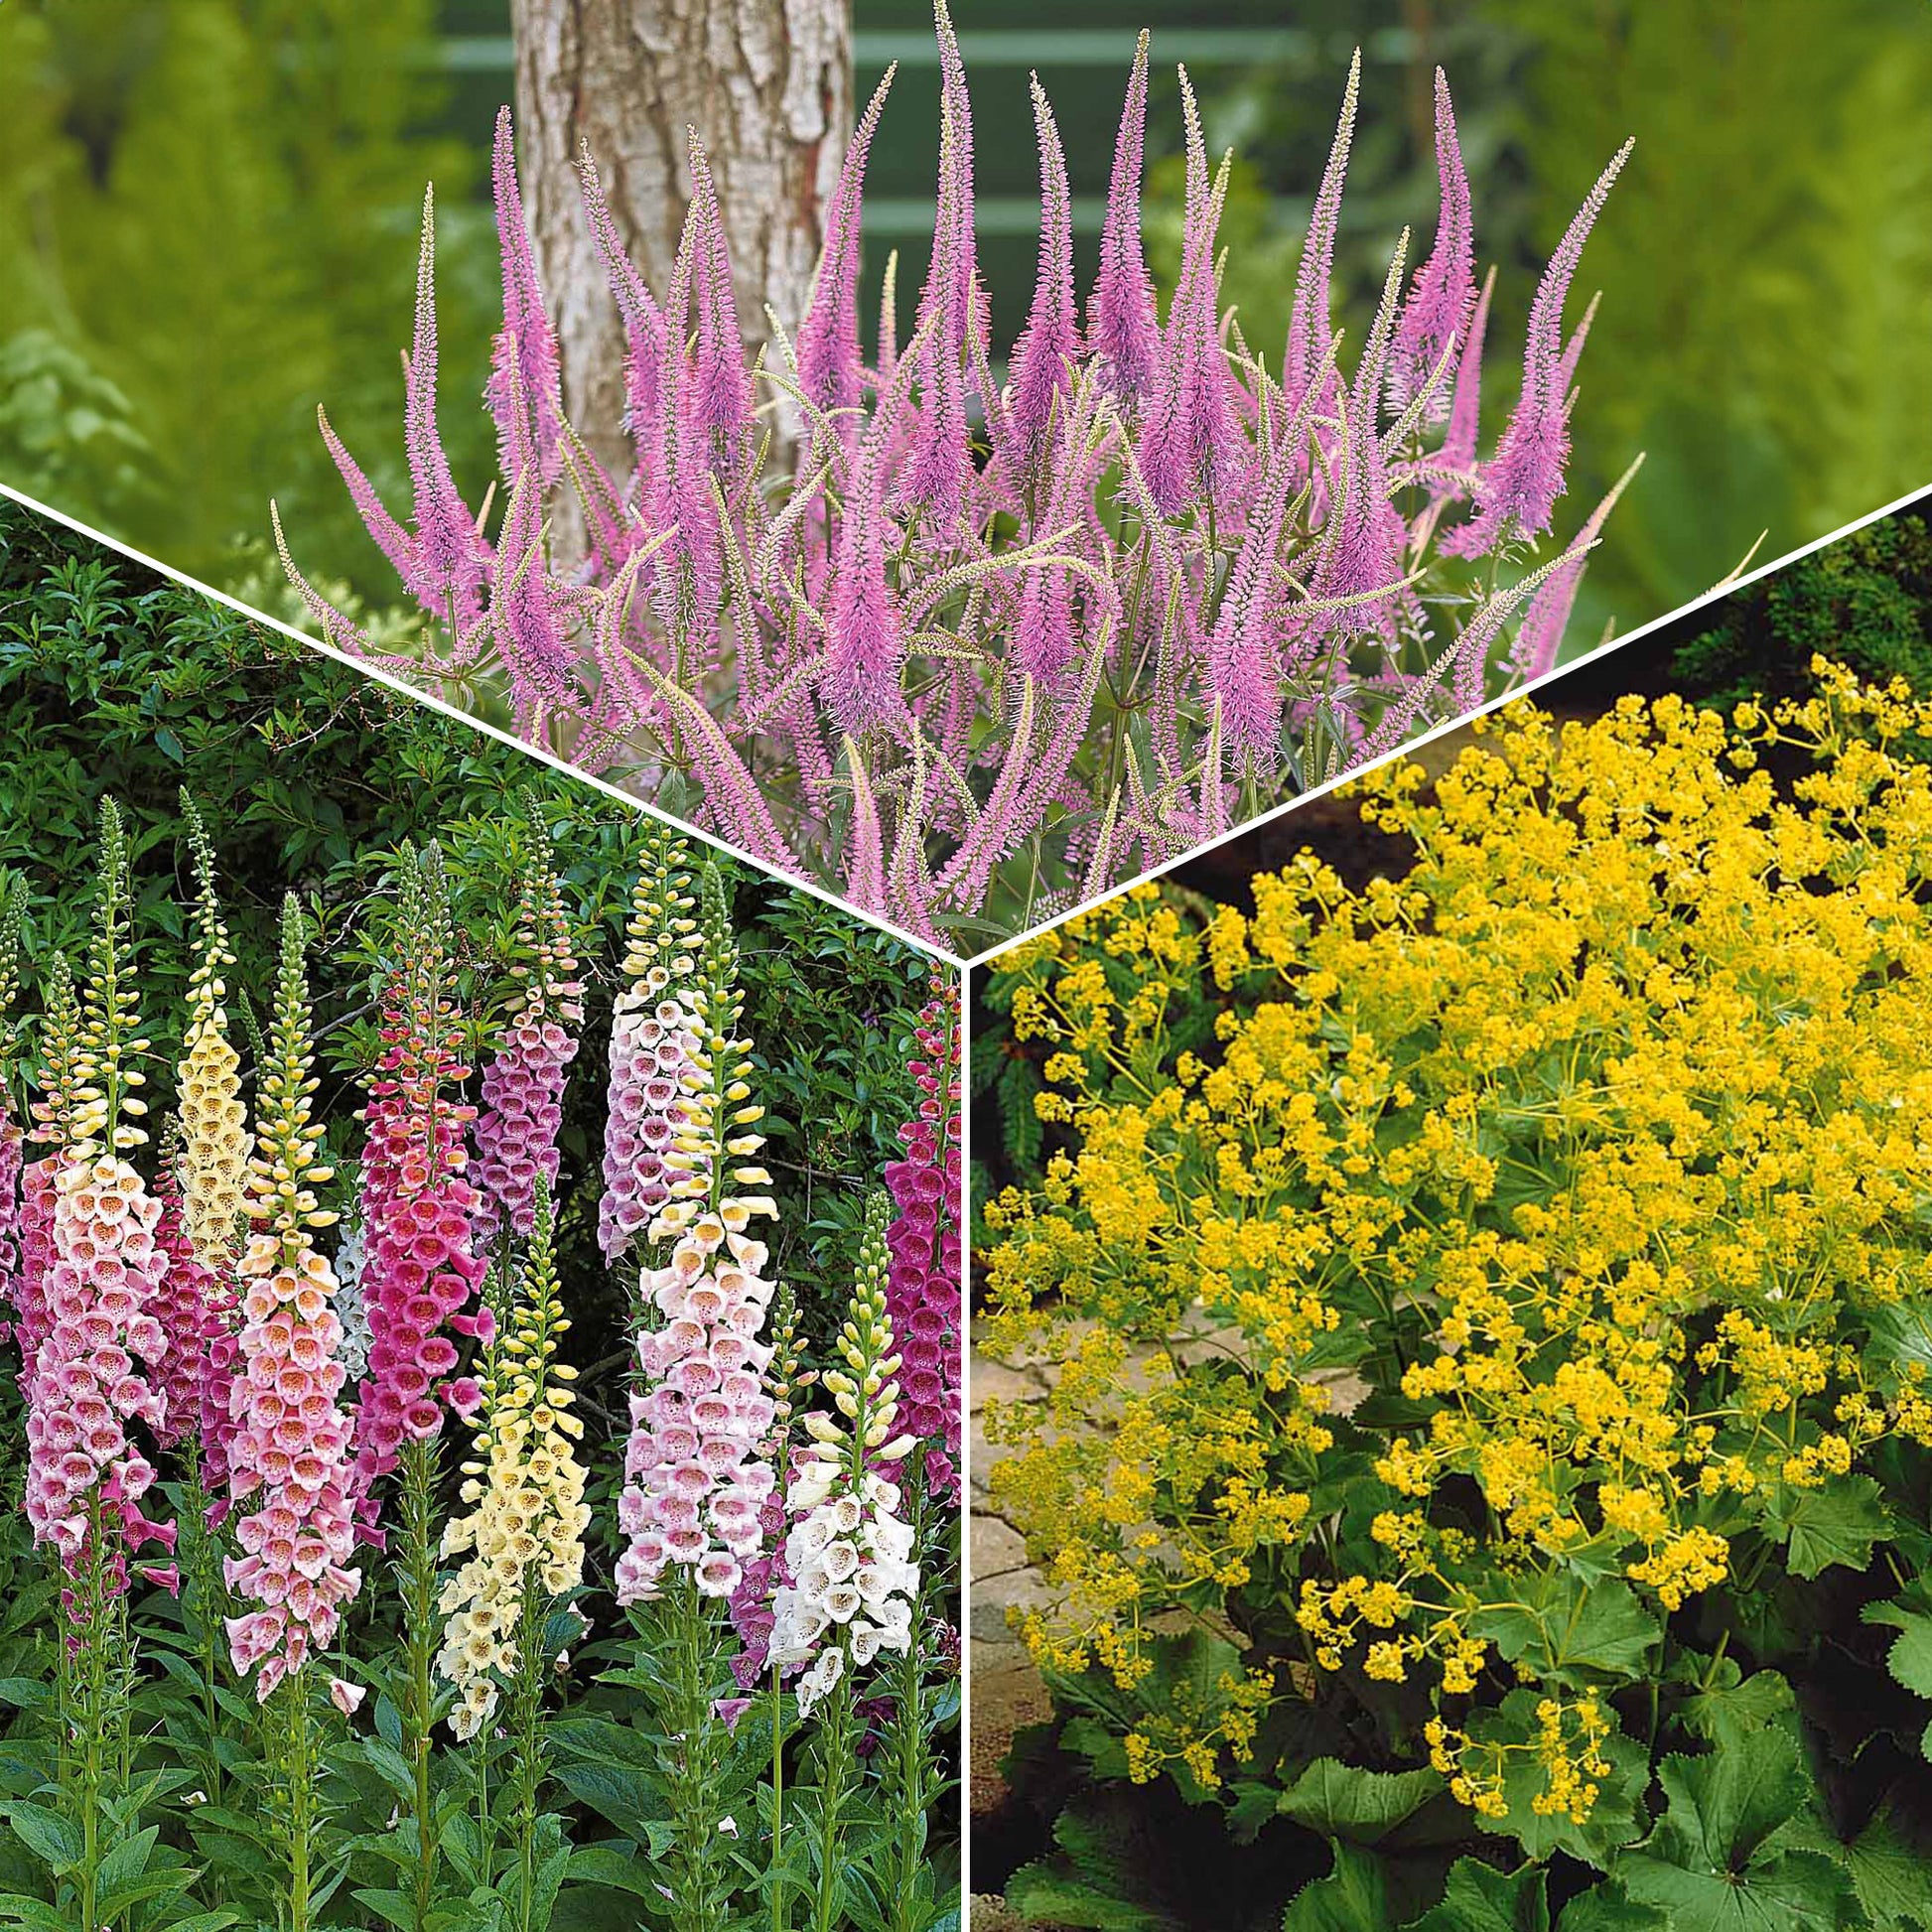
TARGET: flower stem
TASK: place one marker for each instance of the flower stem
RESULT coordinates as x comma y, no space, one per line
693,1759
417,1574
301,1771
835,1760
780,1896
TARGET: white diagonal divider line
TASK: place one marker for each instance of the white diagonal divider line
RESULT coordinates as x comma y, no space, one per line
1644,629
404,689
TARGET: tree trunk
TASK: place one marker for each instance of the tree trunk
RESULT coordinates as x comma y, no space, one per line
766,84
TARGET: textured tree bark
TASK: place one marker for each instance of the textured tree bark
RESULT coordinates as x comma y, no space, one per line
766,84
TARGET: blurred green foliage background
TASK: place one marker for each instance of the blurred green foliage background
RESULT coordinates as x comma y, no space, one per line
118,682
208,211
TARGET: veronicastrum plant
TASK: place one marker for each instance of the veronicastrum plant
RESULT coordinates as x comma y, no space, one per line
1492,1428
971,648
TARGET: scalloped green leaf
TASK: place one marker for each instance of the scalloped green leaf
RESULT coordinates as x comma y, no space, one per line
1479,1899
1617,1819
1345,1801
1570,1631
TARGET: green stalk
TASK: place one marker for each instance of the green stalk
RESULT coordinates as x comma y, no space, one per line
417,1576
780,1900
301,1771
835,1761
526,1710
692,1760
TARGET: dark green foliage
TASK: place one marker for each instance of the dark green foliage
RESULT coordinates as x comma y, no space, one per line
1865,600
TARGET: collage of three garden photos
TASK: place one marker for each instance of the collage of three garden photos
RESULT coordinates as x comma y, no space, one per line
965,964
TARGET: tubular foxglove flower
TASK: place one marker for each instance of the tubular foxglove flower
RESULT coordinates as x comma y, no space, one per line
523,1084
1185,581
854,1581
524,1529
695,1483
418,1206
923,1285
290,1463
100,1341
750,1601
649,1046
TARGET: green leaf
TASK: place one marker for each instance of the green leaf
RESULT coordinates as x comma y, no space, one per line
1725,1707
621,1868
1716,1863
1345,1801
1045,1893
1352,1898
1479,1899
1893,1879
1607,1907
1617,1819
1569,1632
51,1839
1838,1524
1910,1657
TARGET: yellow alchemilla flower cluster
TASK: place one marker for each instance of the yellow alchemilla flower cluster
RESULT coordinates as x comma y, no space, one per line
524,1529
1546,1219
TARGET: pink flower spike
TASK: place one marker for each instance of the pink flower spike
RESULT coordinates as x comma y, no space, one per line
1443,292
529,426
1050,345
1123,327
939,464
720,400
866,636
453,560
1309,325
829,368
1517,490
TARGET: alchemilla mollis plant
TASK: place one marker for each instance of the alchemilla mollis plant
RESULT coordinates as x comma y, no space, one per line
971,643
1493,1422
338,1598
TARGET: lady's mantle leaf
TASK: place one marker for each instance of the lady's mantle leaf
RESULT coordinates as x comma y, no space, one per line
1479,1899
1718,1861
1342,1801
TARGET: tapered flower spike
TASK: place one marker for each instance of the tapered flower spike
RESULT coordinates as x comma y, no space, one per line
291,1455
830,371
695,1481
451,559
418,1206
1123,327
647,1045
1519,485
1444,291
939,464
525,1524
1189,440
100,1341
13,1140
523,1083
721,390
525,389
1458,452
1309,325
1044,356
925,1280
865,630
853,1580
215,1141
